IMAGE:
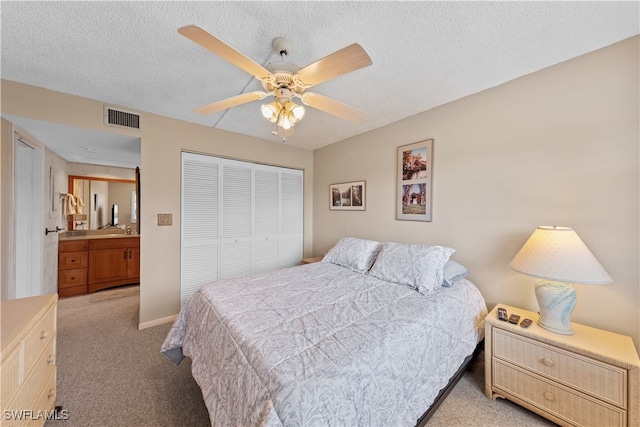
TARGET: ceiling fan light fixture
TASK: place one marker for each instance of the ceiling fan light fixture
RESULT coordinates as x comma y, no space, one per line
271,111
284,122
296,112
285,80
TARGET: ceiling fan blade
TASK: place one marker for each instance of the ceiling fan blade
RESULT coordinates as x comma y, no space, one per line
231,102
223,50
344,61
333,107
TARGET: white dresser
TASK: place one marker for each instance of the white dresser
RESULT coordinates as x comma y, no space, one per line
28,364
590,378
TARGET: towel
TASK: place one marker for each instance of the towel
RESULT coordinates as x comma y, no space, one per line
79,205
70,204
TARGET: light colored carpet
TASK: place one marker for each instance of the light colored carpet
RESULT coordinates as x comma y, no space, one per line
112,374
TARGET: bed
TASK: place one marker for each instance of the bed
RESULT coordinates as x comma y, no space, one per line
369,336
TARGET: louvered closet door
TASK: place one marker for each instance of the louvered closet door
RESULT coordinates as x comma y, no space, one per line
237,206
266,216
200,220
238,218
291,219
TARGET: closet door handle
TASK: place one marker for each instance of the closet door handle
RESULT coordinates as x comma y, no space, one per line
125,254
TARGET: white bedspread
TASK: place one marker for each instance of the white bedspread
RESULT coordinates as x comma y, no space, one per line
320,344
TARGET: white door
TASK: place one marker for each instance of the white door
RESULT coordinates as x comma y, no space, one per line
200,217
237,191
29,228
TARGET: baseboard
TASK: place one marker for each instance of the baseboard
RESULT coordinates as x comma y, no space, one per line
157,322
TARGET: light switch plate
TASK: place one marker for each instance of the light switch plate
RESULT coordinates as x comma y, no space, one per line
165,219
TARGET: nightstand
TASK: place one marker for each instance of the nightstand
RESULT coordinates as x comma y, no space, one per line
590,378
311,260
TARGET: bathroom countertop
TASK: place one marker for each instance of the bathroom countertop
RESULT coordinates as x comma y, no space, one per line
91,236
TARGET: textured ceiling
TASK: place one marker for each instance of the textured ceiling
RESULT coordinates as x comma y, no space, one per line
424,54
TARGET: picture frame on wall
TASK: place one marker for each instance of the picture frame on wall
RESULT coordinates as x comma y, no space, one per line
415,181
347,196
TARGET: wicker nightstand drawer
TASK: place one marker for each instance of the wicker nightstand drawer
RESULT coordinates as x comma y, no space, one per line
563,402
590,376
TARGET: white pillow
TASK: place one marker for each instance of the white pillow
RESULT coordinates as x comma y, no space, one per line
417,266
356,254
453,272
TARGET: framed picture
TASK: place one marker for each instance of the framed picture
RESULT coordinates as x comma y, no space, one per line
347,196
415,181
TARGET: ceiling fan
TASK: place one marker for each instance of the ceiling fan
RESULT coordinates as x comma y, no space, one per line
285,80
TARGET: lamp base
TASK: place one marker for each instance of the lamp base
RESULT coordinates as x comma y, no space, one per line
556,301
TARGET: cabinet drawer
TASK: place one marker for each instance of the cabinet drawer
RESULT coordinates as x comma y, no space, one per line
71,260
73,245
564,403
599,379
39,338
114,243
72,292
70,278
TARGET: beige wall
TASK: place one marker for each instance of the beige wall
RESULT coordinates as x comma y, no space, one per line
111,172
162,140
559,146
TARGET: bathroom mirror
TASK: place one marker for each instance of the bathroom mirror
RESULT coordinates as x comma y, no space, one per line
91,207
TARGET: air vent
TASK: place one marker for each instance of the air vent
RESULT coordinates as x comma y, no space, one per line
122,118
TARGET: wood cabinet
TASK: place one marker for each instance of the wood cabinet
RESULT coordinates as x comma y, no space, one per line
590,378
73,261
28,369
89,265
113,262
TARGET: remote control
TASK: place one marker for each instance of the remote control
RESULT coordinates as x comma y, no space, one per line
526,323
502,314
514,318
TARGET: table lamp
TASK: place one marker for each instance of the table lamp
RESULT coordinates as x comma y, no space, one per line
559,257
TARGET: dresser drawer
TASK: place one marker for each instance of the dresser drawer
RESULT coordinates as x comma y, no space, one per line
71,260
562,402
28,360
12,371
599,379
70,278
36,376
47,399
39,338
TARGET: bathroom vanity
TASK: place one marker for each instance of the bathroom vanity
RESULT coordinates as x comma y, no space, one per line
91,261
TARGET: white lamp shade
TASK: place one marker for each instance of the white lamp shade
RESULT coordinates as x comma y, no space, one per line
558,253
